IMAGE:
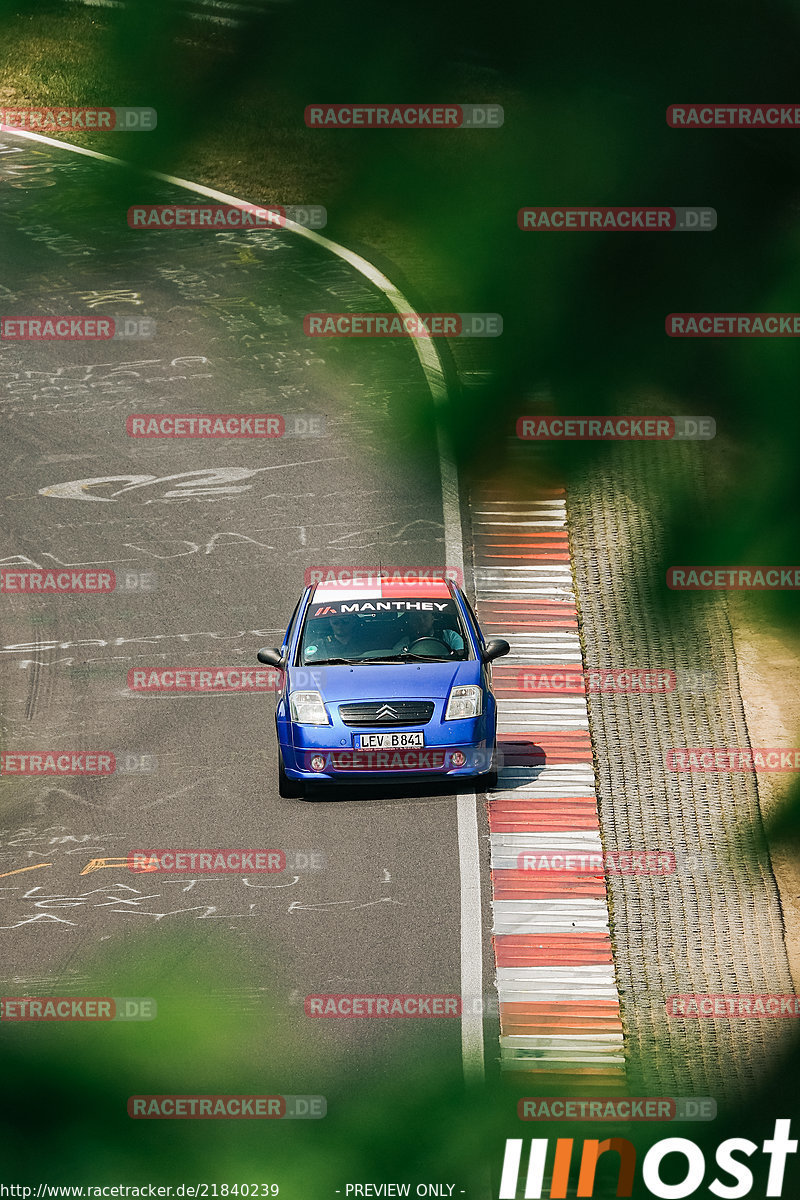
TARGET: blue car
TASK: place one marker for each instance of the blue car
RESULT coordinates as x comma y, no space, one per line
381,681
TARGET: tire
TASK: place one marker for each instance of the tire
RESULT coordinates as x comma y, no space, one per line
489,780
288,789
312,794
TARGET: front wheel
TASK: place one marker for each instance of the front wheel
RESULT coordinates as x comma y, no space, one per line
489,780
288,789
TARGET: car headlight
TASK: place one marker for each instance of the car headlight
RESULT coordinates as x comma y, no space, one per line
307,708
464,702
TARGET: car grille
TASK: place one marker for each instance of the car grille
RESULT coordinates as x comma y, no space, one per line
387,712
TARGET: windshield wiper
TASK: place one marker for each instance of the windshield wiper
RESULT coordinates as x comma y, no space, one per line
325,662
407,657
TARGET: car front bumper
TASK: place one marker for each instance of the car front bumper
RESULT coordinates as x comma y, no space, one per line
472,749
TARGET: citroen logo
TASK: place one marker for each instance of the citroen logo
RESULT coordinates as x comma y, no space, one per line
386,711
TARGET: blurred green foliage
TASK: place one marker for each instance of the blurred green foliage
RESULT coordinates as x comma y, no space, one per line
585,91
66,1086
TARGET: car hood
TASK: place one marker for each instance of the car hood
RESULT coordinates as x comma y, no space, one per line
391,681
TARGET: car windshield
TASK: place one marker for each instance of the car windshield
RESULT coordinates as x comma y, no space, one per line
400,629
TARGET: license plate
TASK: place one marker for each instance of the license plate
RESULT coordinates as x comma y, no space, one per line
388,741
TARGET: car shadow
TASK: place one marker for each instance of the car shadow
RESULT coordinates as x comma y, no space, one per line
389,791
520,752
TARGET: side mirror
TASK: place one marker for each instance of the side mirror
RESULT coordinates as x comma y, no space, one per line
271,658
496,648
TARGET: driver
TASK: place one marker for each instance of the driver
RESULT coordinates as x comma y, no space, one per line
421,624
342,640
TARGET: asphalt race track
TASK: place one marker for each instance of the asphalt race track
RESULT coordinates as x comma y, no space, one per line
209,540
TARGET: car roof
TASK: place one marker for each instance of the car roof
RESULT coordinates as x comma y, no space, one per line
382,587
